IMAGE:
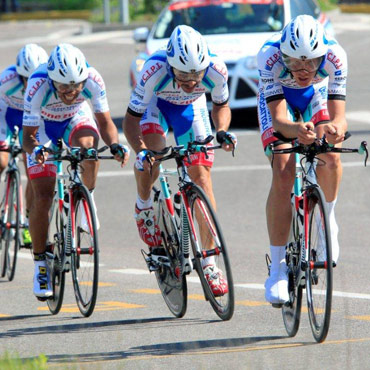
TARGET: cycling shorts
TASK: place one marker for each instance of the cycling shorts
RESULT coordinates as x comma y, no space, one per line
310,102
54,130
189,122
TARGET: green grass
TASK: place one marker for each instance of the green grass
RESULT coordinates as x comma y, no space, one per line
326,5
14,362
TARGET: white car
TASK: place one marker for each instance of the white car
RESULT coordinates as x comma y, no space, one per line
234,29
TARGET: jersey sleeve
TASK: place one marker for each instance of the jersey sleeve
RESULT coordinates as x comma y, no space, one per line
153,72
269,65
217,80
95,91
33,98
337,69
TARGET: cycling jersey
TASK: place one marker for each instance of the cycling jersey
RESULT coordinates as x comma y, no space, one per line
11,102
160,101
276,82
54,119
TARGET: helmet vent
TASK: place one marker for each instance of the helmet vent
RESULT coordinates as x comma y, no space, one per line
292,45
297,33
81,70
182,61
64,61
186,49
311,34
315,46
61,72
202,59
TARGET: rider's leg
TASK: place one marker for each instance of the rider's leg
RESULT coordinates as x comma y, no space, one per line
43,190
144,214
329,177
278,212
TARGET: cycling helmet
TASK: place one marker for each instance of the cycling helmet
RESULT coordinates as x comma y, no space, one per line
187,50
67,65
29,58
304,38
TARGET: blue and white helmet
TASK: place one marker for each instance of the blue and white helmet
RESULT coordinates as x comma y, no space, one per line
67,65
187,50
29,58
304,38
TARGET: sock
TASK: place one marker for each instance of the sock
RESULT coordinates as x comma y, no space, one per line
143,204
333,230
277,258
208,261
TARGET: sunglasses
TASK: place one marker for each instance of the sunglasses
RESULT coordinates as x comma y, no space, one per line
295,65
67,88
186,77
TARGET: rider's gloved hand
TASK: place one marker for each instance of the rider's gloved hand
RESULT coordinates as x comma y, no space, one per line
228,138
143,155
36,153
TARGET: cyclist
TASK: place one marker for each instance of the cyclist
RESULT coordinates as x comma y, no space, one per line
171,92
13,83
56,107
302,74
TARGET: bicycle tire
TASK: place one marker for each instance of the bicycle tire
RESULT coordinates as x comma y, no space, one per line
55,256
291,311
223,303
319,272
85,254
170,277
12,237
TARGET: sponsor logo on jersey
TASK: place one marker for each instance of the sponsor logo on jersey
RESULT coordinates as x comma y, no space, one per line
331,57
220,69
263,119
35,87
8,78
150,72
98,80
270,62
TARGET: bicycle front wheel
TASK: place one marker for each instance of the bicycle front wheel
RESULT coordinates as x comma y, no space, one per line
55,257
210,254
85,254
292,310
170,277
11,230
319,273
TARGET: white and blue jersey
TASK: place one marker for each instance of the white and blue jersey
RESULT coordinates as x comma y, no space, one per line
276,83
11,102
44,109
161,102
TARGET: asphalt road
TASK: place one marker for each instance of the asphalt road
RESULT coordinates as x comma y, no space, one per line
131,326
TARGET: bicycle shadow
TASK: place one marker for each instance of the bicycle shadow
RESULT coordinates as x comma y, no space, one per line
165,349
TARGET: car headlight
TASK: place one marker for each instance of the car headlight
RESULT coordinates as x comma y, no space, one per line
251,62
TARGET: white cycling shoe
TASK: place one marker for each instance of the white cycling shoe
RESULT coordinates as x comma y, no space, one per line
276,287
41,281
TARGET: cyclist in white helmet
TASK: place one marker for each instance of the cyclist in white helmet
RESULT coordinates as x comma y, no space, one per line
13,83
171,93
56,107
302,93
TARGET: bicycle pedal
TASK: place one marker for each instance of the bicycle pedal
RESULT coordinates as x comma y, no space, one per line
149,261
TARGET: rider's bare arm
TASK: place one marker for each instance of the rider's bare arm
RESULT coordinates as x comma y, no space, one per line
304,131
221,116
29,138
337,127
107,128
132,131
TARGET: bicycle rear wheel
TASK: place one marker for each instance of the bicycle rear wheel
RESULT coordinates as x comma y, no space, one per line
208,242
10,227
170,277
319,273
54,257
292,310
85,254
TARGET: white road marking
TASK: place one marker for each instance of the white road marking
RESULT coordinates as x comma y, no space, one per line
195,279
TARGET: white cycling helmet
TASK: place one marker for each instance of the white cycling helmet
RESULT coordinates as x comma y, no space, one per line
29,58
304,38
67,65
187,50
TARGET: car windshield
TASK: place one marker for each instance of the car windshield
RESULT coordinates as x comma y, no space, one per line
211,17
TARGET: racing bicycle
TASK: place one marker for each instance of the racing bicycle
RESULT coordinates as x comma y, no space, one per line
73,237
308,252
190,233
12,219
